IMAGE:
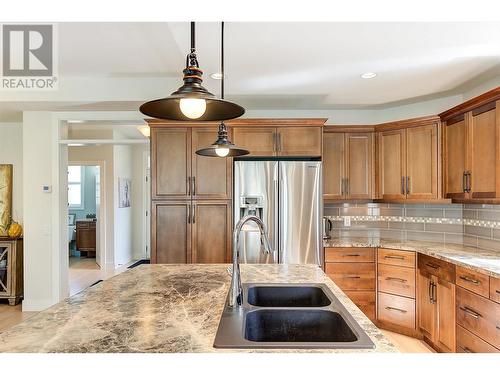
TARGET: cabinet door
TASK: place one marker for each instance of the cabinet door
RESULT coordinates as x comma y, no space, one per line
358,165
422,162
259,141
392,164
211,222
426,305
333,165
299,141
484,135
446,326
211,176
5,268
171,232
455,158
170,163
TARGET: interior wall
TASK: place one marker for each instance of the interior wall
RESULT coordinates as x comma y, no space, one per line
11,152
138,203
122,155
101,153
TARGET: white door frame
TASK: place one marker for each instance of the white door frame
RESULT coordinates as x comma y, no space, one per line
102,207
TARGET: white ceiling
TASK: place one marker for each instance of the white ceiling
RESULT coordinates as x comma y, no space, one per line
309,65
269,66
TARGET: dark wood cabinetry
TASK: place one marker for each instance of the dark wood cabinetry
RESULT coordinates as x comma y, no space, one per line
11,270
86,237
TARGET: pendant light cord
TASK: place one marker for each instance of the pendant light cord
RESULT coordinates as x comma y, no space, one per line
192,37
222,61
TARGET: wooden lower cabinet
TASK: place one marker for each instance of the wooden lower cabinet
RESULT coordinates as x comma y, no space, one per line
191,232
396,311
11,270
467,342
436,305
353,270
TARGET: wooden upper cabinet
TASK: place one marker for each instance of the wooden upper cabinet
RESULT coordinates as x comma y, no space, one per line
260,141
211,222
358,165
299,141
484,151
422,162
211,177
170,163
171,234
279,141
333,165
392,164
455,150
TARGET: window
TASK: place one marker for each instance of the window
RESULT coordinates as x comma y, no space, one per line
75,187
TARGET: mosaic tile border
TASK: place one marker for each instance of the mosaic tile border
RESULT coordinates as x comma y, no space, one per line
427,220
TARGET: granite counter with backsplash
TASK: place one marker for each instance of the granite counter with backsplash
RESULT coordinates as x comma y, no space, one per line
481,260
161,309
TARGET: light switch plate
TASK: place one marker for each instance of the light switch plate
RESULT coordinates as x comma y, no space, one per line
347,221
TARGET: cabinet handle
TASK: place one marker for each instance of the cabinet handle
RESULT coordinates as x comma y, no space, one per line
275,142
347,186
189,186
403,185
469,177
407,184
396,279
434,294
400,257
353,277
279,142
357,255
189,214
194,185
433,266
194,214
464,182
471,312
466,349
396,309
497,291
342,183
469,280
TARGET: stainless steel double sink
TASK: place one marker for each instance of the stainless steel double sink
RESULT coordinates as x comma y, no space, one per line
300,316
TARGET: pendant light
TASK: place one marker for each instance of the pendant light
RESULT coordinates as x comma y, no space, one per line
222,147
192,101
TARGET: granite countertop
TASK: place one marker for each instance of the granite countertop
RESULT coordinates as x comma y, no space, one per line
483,261
160,308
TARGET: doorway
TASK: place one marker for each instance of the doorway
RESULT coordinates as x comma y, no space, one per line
85,219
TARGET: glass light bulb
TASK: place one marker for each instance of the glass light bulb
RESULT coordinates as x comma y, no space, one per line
222,151
193,107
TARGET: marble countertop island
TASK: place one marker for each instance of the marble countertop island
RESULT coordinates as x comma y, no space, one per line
483,261
160,309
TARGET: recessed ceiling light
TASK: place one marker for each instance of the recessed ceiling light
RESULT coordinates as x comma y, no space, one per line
216,75
368,75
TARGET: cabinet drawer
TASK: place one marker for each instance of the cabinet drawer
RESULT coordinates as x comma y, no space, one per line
396,280
365,301
396,310
82,224
352,276
439,268
396,257
349,254
473,281
469,343
479,315
495,289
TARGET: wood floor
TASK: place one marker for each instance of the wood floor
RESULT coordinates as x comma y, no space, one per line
407,344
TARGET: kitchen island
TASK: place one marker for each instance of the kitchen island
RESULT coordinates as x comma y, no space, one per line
161,309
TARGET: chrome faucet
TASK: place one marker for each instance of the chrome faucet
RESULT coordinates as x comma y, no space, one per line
236,292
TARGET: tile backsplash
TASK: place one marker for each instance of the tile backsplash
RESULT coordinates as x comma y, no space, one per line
475,225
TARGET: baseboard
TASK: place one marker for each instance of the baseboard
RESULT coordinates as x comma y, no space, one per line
36,304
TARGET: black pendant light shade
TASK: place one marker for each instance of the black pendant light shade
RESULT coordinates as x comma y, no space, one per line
222,147
192,102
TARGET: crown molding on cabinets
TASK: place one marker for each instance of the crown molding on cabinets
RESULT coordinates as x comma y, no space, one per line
469,105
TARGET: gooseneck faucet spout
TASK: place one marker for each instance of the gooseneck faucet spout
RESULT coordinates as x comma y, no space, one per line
236,292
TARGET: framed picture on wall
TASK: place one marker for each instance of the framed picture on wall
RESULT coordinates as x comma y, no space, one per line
124,185
71,219
5,197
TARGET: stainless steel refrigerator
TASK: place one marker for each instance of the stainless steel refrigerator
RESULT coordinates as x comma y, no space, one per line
287,196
